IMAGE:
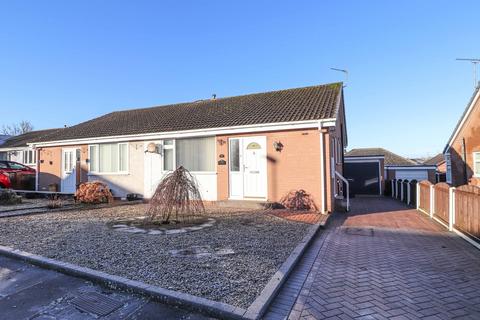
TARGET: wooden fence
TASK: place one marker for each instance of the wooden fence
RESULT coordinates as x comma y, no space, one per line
467,210
458,209
424,195
442,201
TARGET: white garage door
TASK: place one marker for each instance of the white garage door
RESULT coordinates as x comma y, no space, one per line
418,175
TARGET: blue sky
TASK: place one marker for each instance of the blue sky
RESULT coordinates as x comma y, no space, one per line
63,62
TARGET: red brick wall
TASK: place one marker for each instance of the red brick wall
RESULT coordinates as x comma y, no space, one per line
470,132
297,166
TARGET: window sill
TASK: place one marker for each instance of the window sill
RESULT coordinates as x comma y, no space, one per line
108,174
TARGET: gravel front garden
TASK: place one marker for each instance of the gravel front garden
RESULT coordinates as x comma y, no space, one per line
230,260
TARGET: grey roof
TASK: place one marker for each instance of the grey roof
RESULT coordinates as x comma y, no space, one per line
3,137
23,139
391,159
433,161
308,103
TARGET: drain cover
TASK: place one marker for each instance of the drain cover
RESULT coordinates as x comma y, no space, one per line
360,231
96,303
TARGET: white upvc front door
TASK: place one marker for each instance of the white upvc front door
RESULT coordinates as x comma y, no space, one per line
69,170
248,168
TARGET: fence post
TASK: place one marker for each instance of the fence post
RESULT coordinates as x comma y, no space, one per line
393,188
451,209
432,200
408,193
418,195
401,191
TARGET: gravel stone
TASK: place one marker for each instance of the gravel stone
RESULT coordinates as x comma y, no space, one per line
232,260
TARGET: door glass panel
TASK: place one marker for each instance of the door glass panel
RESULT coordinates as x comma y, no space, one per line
234,155
168,159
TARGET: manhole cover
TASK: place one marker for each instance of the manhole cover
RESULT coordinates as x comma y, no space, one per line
360,231
96,303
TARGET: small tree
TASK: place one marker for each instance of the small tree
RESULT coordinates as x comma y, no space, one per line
176,198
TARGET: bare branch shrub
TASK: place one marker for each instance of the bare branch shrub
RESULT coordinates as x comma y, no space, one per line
298,200
55,201
176,198
93,192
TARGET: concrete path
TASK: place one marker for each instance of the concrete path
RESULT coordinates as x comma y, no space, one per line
383,261
28,292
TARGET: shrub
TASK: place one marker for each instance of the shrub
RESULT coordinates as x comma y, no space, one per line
93,192
177,197
55,201
298,200
9,197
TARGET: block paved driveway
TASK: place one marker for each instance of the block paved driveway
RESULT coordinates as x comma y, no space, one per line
383,261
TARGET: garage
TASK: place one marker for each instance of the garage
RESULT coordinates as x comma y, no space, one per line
418,175
364,176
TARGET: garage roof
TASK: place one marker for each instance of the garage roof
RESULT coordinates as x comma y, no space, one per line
391,159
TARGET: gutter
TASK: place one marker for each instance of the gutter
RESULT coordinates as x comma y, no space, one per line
263,127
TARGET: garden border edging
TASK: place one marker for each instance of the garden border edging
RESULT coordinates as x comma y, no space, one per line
175,298
218,309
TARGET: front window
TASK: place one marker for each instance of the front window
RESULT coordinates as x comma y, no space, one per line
197,154
476,164
109,158
29,157
448,161
194,154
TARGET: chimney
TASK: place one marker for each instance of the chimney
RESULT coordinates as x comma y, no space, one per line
214,96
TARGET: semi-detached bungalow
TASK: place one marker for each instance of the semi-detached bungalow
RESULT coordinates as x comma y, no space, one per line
251,147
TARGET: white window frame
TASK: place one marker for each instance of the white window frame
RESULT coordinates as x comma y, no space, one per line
98,159
174,146
475,154
448,163
169,147
25,157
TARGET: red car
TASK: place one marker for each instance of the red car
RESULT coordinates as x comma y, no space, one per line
16,175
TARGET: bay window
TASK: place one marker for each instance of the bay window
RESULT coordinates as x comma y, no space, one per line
108,158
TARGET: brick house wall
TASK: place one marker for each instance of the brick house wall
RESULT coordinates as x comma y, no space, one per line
49,166
297,166
461,150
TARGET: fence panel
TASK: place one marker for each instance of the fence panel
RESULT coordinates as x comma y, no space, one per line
442,201
424,203
467,210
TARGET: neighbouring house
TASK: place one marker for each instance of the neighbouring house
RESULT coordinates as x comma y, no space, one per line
16,148
462,152
367,170
3,137
251,147
440,163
